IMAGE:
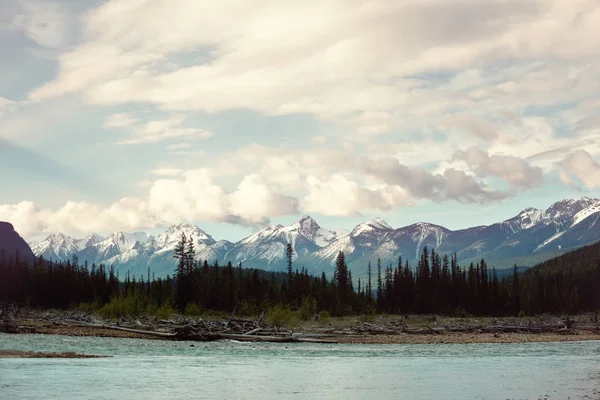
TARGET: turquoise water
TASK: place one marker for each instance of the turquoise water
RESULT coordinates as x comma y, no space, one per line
142,369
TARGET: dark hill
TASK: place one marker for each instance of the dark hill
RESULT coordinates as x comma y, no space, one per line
12,245
569,283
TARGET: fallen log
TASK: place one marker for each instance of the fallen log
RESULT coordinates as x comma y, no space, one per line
253,331
256,338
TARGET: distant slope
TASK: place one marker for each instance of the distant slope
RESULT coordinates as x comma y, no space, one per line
569,283
12,245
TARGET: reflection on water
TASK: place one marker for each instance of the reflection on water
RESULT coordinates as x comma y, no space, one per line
142,369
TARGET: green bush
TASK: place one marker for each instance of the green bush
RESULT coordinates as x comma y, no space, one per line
521,314
121,306
193,310
88,307
247,309
281,316
308,308
165,311
324,317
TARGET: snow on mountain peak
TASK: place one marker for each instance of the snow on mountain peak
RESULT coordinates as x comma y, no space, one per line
381,222
592,208
376,224
168,240
89,240
567,209
306,226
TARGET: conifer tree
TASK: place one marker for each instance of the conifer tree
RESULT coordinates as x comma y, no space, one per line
369,283
289,253
379,284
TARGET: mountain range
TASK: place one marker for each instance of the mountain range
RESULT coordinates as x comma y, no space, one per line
530,237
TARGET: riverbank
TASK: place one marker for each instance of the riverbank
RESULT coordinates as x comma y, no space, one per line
38,354
398,338
382,329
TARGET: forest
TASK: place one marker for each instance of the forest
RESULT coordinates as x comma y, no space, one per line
436,284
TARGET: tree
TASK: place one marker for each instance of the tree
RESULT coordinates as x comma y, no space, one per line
179,254
190,257
289,253
369,286
515,289
340,277
379,284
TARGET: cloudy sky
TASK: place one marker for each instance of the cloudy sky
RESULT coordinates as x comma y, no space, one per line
138,114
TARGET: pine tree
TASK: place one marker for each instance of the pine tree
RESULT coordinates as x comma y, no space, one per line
369,283
515,290
179,254
190,257
340,276
289,253
379,285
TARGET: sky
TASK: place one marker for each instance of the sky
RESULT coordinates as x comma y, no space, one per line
233,115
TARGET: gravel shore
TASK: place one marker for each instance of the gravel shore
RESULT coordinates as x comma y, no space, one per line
43,327
36,354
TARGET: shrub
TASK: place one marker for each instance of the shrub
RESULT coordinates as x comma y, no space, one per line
324,317
247,309
165,311
88,307
282,316
308,308
193,310
521,314
120,306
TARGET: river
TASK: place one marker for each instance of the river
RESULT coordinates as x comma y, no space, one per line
146,369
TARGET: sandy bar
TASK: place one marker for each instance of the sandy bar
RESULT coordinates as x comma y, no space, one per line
400,338
36,354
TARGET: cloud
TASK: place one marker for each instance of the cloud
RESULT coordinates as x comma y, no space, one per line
580,166
513,170
167,171
119,120
338,195
256,201
178,146
44,22
77,217
474,125
153,131
189,196
346,61
421,183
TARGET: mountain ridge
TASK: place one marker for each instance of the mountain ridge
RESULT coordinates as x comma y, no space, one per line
530,235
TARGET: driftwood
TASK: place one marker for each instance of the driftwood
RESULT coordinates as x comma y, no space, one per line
204,333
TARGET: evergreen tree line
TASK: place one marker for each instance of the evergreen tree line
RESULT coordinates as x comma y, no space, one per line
436,284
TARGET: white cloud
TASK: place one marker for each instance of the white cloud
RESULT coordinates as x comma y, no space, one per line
44,22
579,166
119,120
399,84
167,171
336,61
153,131
188,196
513,170
338,195
179,146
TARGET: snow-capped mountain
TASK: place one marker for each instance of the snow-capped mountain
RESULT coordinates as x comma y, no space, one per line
268,246
60,247
531,236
